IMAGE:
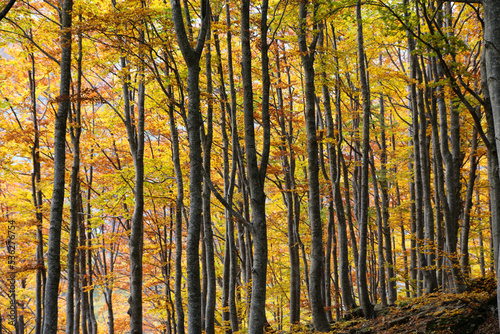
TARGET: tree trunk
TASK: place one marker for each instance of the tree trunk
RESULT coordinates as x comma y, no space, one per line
289,199
464,237
74,196
207,219
56,209
84,295
345,284
135,133
233,262
425,231
380,237
256,176
490,79
317,257
179,205
194,122
391,282
364,298
37,198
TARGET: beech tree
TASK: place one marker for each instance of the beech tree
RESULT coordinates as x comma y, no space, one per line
194,122
329,164
50,320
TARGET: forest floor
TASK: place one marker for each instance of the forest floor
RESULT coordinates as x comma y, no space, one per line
474,311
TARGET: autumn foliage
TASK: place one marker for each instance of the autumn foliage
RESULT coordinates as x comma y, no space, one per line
419,128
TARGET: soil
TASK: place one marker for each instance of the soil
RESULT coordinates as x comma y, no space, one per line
471,312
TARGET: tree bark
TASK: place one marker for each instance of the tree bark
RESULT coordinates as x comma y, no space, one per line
56,208
256,175
179,205
317,257
194,122
364,298
135,134
464,237
74,196
427,225
207,219
233,262
380,238
37,198
384,185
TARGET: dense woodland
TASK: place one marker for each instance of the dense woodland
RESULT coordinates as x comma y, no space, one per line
235,166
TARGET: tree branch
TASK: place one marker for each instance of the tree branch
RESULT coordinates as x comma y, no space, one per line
5,11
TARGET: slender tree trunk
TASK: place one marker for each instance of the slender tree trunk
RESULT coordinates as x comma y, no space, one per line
481,254
233,262
84,295
425,230
194,122
345,284
229,179
380,238
317,257
256,176
364,298
37,198
438,186
74,196
413,231
384,185
464,237
289,198
328,259
56,209
135,133
179,205
92,321
207,219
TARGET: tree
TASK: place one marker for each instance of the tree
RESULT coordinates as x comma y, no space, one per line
56,210
364,298
492,60
256,174
194,122
75,120
316,272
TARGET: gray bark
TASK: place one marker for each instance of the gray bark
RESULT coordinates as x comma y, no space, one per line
384,185
92,321
380,238
207,219
345,284
364,298
427,225
317,257
288,159
490,74
135,134
256,175
84,295
194,122
450,151
37,198
74,196
492,60
56,208
233,262
179,205
464,236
